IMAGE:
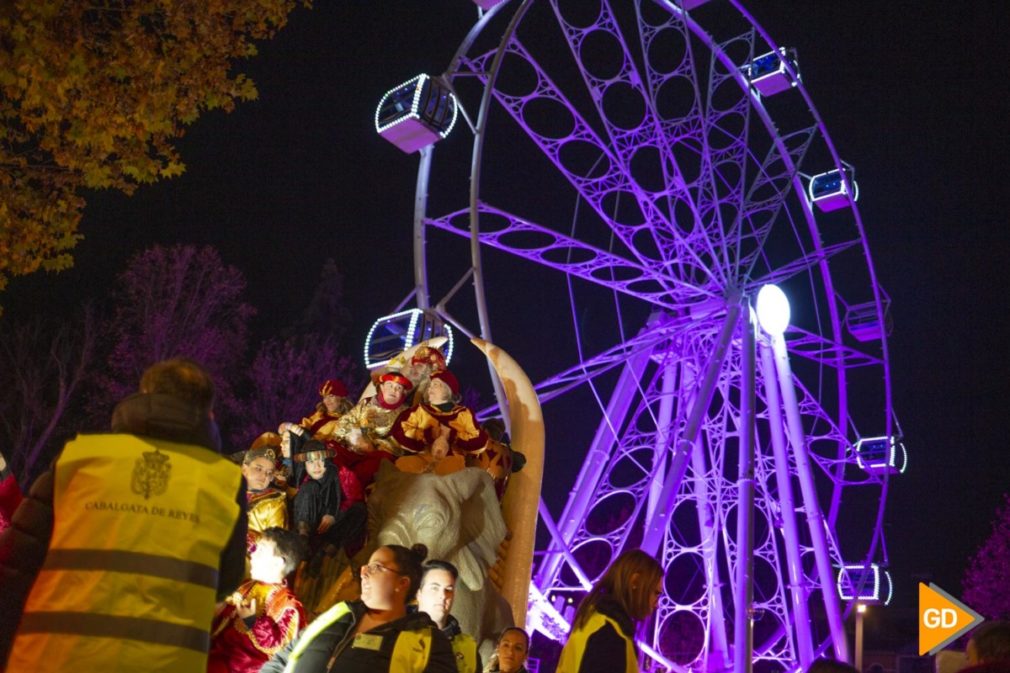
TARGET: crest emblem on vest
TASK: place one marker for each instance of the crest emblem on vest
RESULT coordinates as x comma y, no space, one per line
151,473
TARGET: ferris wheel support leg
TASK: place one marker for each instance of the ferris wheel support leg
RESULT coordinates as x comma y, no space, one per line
815,518
655,528
663,427
420,208
743,621
797,592
718,647
597,459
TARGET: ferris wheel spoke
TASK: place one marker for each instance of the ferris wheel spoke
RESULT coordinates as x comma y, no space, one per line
784,272
546,247
599,174
658,331
767,196
826,351
579,154
640,140
710,135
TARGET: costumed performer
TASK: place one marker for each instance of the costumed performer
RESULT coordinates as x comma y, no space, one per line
363,433
439,427
268,506
322,423
318,515
10,494
263,615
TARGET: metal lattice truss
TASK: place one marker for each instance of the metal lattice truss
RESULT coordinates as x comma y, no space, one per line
689,195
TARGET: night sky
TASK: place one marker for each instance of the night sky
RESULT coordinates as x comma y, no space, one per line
914,95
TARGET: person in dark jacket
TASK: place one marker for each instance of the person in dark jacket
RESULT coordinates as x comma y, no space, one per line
988,649
435,597
319,512
602,639
172,415
375,634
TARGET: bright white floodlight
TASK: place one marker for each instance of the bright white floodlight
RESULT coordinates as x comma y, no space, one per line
773,310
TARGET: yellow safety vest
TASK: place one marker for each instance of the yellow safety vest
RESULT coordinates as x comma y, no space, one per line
130,579
571,654
464,647
410,652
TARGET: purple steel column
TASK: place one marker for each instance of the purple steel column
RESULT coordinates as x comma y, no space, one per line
798,593
420,208
718,647
815,520
475,172
663,426
656,527
597,459
743,626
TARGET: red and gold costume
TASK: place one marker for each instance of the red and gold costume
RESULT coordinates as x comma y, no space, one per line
10,495
267,509
418,427
374,419
321,423
244,645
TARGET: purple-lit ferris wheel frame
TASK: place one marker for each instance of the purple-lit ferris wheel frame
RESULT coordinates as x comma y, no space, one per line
729,215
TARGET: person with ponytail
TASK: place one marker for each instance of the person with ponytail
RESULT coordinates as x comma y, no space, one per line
602,639
375,634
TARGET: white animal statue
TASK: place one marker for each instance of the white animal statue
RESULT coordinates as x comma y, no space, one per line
458,518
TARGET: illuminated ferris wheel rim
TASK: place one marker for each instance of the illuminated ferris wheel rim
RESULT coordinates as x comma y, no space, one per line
820,258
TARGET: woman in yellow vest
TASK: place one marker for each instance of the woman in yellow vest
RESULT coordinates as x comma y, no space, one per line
602,639
375,634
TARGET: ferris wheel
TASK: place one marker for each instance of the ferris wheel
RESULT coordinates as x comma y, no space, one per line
625,178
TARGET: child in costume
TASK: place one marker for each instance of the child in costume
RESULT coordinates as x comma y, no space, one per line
268,506
439,429
263,615
318,514
320,518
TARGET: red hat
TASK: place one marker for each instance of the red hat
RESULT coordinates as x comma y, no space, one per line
425,355
398,377
449,379
333,387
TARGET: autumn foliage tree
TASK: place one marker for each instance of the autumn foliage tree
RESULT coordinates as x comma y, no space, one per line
987,579
93,94
179,301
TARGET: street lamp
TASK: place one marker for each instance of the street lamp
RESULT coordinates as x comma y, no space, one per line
860,611
774,314
773,310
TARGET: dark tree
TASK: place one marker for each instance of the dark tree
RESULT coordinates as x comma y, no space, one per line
43,365
987,580
179,301
326,313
